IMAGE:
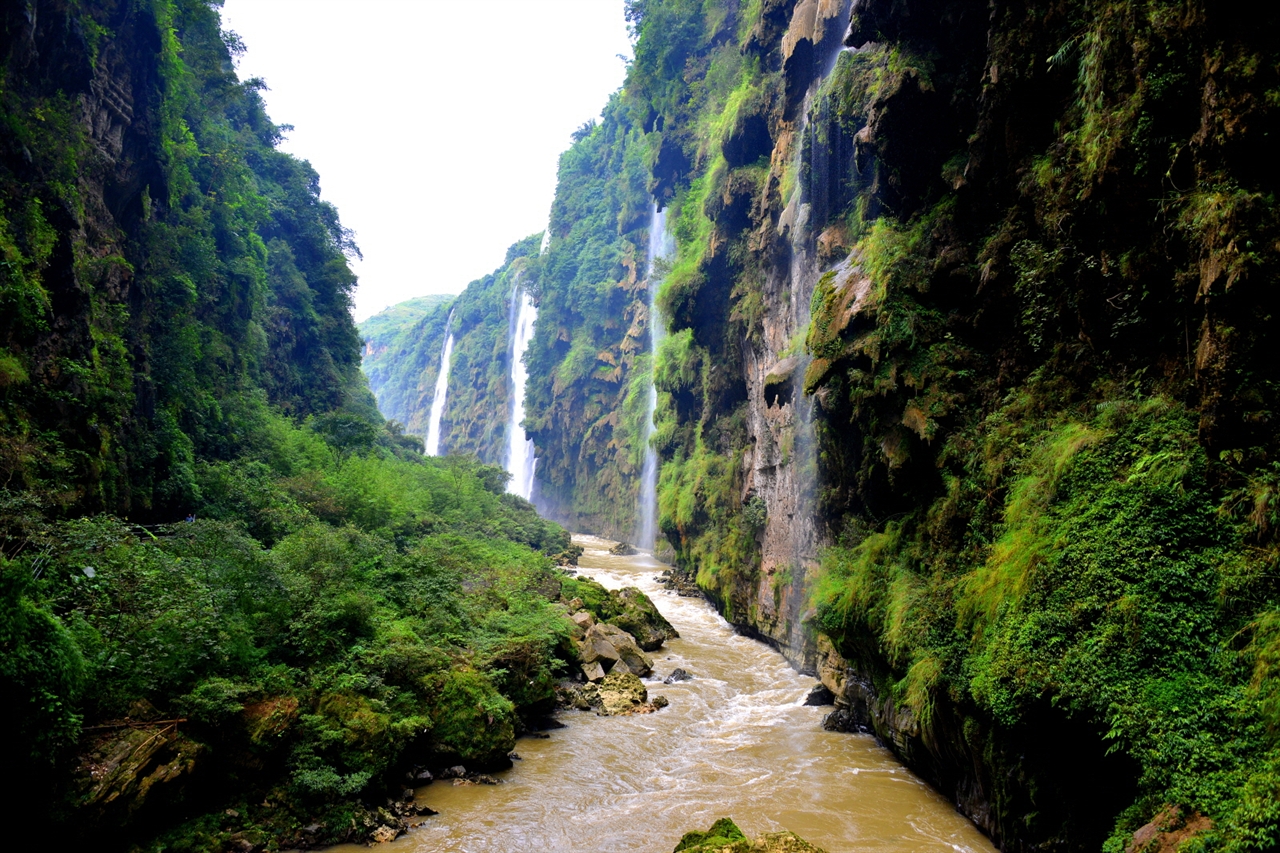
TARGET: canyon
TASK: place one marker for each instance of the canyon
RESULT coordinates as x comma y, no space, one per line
927,340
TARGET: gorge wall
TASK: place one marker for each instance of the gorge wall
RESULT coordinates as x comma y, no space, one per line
402,360
154,295
237,606
1008,262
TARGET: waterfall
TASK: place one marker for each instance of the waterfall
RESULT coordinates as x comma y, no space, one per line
442,389
520,458
791,477
661,248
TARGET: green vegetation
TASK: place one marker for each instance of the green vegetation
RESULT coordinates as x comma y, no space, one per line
176,342
587,367
721,834
1046,461
402,358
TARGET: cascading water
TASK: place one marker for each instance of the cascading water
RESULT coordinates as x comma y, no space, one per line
520,458
442,389
661,248
783,452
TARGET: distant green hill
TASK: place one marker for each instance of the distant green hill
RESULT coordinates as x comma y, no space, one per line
382,328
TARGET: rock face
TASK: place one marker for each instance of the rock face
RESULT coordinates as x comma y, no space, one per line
131,765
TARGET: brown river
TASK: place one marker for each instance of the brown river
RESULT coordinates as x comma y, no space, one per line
734,742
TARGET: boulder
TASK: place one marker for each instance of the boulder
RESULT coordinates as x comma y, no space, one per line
598,647
593,671
724,836
583,619
639,618
677,674
622,549
624,645
622,693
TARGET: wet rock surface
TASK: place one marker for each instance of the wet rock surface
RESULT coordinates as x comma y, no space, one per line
680,582
617,694
820,695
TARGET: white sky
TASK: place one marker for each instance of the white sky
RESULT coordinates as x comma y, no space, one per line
436,125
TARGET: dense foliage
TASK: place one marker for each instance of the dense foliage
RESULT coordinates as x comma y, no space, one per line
176,343
166,269
342,610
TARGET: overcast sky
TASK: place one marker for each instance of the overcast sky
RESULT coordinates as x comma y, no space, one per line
435,125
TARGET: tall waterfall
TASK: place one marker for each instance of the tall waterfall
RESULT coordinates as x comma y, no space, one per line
661,248
520,458
793,502
442,389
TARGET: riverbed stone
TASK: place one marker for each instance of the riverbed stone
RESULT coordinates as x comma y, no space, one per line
640,618
624,645
622,693
724,836
598,647
677,674
593,671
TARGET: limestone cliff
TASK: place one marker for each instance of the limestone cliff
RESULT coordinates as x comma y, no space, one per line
966,402
166,271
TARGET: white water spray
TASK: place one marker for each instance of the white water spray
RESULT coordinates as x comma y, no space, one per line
442,389
520,459
661,248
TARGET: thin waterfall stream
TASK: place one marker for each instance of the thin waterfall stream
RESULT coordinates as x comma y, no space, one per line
736,741
661,249
520,451
441,392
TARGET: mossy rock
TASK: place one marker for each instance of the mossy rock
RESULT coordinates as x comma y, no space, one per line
724,836
474,723
639,617
627,608
622,693
722,833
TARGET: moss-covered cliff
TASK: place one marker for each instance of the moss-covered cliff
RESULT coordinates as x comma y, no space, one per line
967,401
588,371
166,271
401,358
236,606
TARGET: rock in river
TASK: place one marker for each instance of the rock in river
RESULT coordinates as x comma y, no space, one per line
609,646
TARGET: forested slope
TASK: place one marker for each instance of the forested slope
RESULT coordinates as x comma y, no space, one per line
236,607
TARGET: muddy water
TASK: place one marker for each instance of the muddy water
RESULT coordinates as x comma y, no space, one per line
735,741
